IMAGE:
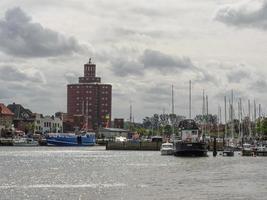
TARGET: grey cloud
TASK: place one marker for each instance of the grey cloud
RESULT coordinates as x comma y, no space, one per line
237,76
71,77
151,60
204,76
164,62
243,15
121,67
259,86
150,33
150,12
13,74
21,37
160,93
5,93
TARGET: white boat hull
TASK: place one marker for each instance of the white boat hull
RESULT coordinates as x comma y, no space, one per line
166,151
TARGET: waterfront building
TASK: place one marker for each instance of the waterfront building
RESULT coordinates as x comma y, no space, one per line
47,124
90,98
23,118
6,117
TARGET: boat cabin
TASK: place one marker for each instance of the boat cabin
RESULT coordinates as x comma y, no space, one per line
189,130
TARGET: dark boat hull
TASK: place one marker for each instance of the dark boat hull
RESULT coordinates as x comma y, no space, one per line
228,153
191,149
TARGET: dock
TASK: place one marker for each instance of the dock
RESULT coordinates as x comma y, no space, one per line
136,146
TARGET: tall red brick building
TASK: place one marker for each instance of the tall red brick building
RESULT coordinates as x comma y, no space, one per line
90,98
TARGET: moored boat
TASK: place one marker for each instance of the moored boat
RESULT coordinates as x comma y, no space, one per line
247,150
190,144
228,151
24,141
261,150
70,139
167,149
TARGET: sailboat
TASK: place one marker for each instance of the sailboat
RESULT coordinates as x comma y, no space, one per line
228,150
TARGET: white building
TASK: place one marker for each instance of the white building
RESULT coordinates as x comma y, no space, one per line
47,124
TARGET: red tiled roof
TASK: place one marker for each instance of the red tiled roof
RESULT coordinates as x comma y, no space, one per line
4,110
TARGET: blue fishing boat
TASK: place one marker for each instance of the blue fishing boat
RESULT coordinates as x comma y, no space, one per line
70,139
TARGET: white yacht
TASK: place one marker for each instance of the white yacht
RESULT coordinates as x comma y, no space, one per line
167,149
23,141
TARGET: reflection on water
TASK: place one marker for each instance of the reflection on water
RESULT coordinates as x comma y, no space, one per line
93,173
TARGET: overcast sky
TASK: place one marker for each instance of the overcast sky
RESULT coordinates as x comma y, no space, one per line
140,47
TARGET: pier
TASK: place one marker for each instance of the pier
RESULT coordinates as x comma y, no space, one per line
130,145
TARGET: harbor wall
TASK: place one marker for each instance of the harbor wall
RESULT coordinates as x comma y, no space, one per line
219,146
137,146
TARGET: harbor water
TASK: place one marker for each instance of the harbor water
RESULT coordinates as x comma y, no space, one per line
94,173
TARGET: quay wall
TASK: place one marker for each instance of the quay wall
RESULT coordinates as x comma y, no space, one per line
136,146
219,146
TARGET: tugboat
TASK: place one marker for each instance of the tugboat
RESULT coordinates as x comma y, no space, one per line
190,144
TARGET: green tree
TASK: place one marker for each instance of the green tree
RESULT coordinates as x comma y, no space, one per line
261,127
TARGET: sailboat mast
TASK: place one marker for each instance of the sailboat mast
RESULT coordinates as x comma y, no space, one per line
255,112
232,113
190,99
203,113
249,128
241,117
225,117
207,114
172,101
260,117
218,120
172,112
259,110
